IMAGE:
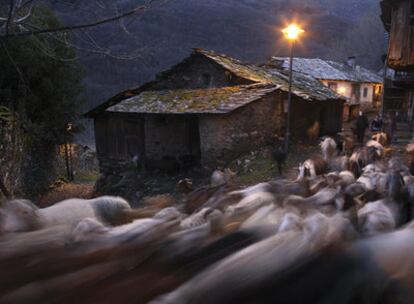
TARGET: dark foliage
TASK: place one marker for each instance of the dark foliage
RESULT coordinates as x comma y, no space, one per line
41,81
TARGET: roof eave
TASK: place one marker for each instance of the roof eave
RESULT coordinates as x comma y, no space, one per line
117,99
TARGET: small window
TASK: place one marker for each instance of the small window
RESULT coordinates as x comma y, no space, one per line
356,89
365,92
379,90
333,86
206,79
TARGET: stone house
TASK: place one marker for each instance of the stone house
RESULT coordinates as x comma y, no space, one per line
398,19
361,87
209,108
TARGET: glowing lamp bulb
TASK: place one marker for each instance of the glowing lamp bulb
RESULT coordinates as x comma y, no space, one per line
292,32
341,90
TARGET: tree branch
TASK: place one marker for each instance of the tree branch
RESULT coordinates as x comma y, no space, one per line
10,17
96,49
29,13
26,3
140,8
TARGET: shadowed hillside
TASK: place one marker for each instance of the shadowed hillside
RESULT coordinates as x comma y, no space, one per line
246,29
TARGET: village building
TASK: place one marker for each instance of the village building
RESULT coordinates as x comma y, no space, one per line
398,19
361,87
208,109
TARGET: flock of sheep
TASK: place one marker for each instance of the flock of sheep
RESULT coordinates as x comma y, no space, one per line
340,233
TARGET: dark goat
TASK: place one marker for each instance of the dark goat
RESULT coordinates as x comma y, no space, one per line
361,158
400,194
279,155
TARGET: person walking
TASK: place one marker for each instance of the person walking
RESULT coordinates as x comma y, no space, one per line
361,125
376,124
393,127
390,127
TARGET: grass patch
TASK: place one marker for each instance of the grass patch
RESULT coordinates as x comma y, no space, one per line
86,177
259,169
262,168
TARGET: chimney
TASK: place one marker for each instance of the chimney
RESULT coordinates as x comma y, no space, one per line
351,62
358,70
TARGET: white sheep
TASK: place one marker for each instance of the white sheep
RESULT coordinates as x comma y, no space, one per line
378,147
376,217
329,148
219,177
22,215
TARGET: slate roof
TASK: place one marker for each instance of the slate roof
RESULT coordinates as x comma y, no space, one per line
303,86
217,100
198,101
328,70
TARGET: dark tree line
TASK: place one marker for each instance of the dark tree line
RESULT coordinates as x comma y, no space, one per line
40,89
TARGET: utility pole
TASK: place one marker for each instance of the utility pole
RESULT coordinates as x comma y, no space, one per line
289,104
292,33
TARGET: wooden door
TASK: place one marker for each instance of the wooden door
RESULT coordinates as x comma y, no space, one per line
134,140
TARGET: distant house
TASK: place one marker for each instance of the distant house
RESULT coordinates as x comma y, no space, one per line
210,108
398,19
361,87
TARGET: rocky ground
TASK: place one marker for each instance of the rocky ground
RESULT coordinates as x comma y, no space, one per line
251,169
66,191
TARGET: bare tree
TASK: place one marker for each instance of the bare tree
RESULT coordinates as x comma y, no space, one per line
26,19
16,22
11,149
17,19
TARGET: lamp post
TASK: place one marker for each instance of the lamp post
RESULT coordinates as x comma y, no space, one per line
68,152
291,33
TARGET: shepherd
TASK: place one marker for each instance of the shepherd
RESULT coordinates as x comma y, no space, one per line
376,124
361,126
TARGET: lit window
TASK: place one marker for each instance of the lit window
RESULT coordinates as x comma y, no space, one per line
342,90
333,86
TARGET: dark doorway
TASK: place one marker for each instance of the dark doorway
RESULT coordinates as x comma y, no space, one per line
194,138
134,138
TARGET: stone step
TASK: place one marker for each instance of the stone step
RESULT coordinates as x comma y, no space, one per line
404,131
401,141
405,126
401,133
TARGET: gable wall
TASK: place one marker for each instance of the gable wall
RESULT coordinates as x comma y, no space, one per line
224,137
192,75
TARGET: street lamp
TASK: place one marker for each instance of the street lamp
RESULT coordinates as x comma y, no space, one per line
292,33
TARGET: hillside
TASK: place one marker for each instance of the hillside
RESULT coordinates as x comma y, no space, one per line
246,29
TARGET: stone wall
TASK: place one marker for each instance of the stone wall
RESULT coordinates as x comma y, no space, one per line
305,113
198,72
224,137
